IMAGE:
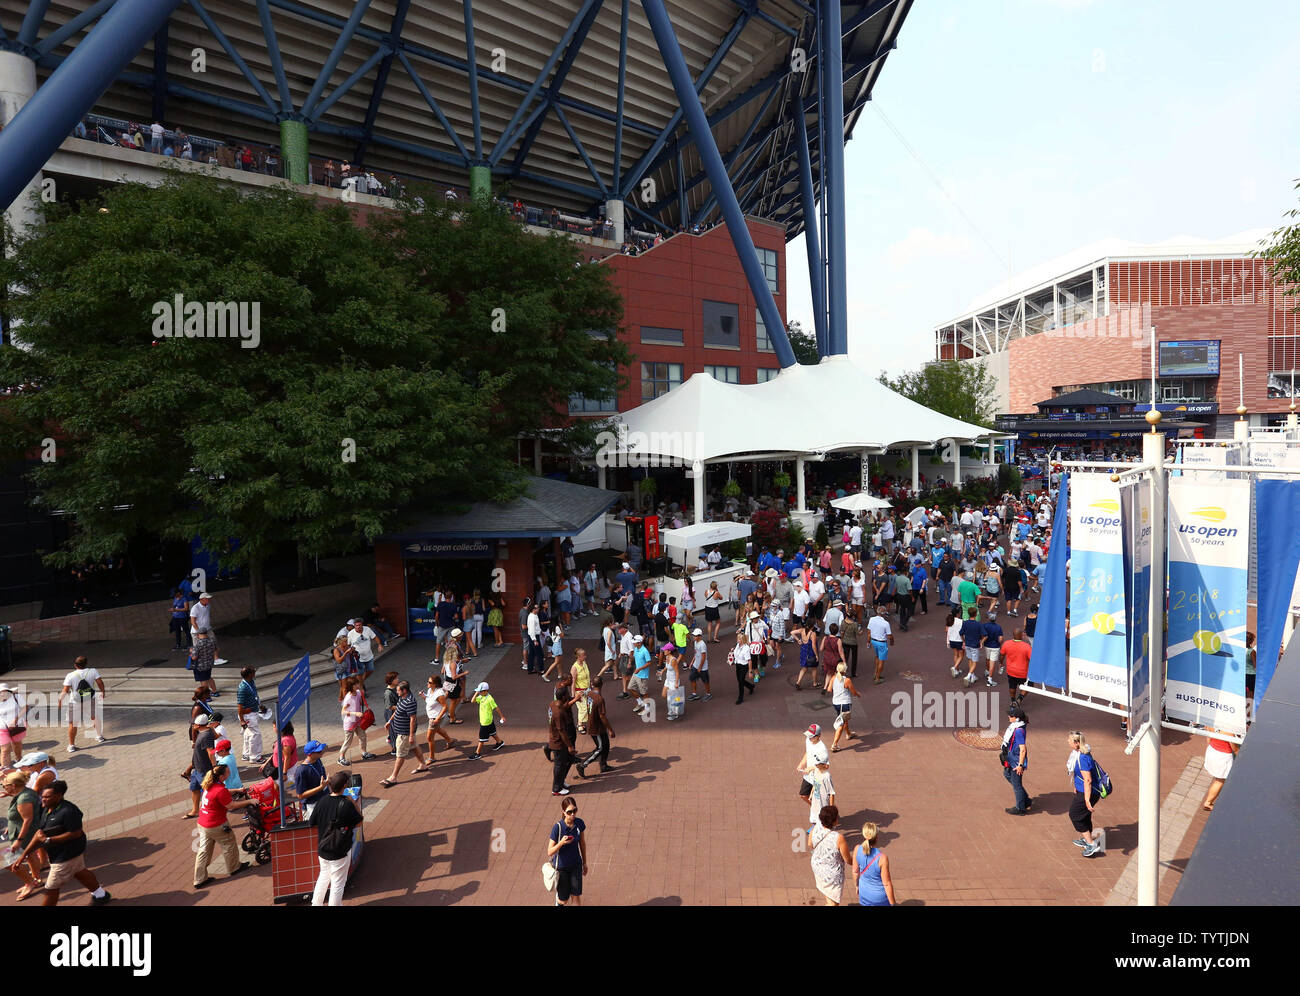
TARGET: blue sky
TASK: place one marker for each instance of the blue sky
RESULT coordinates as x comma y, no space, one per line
1050,124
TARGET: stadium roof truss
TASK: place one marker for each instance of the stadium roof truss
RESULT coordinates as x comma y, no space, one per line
575,103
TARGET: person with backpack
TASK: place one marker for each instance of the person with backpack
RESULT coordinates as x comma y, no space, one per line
1014,756
1091,785
335,817
85,705
990,587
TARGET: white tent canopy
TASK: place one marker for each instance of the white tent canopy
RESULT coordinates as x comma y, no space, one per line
704,534
705,419
860,502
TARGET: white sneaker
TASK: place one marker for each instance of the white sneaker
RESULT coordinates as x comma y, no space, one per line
99,740
953,671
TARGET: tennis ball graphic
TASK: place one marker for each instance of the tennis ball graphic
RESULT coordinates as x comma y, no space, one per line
1207,642
1103,622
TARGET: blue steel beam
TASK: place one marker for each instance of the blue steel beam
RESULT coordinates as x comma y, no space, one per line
643,164
471,70
231,51
681,191
31,25
811,242
739,149
359,9
557,83
622,85
751,6
57,38
866,14
696,120
351,81
577,144
433,106
650,219
381,82
833,181
273,53
437,58
56,107
513,130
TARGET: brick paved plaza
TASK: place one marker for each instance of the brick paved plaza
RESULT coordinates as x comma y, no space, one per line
701,811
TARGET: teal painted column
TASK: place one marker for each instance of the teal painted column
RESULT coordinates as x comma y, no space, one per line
480,181
293,149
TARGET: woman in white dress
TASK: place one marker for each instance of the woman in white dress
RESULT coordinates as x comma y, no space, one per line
830,853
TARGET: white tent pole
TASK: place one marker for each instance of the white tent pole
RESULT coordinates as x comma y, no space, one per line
699,491
799,487
916,470
1153,453
956,463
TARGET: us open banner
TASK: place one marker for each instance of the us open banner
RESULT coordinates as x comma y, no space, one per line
1209,549
1135,510
1098,627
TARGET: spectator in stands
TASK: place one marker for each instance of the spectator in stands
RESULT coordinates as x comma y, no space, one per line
247,161
329,172
345,174
80,130
271,164
156,134
450,194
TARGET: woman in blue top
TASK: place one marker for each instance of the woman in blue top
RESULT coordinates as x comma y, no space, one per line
875,887
1013,769
1083,776
179,623
566,848
806,638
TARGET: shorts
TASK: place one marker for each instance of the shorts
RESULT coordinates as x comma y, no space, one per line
402,745
805,789
202,676
638,685
698,675
954,644
63,872
881,648
5,738
973,654
710,613
1014,683
842,710
1079,814
557,647
486,733
993,653
196,781
568,882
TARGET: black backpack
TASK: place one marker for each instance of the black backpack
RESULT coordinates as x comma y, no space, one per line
84,687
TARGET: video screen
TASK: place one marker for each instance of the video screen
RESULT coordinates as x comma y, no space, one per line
1193,357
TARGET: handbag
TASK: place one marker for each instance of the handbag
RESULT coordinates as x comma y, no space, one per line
367,719
550,874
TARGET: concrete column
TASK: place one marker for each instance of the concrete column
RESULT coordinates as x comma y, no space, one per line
916,470
600,477
17,84
480,181
956,464
614,212
698,470
798,483
293,149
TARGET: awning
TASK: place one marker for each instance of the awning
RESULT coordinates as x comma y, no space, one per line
860,502
704,534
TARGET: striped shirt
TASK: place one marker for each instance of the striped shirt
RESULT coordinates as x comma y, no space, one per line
404,716
246,695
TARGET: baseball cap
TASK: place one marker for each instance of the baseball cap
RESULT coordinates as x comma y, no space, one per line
314,747
666,646
638,639
482,687
31,760
203,720
456,632
813,731
203,595
697,632
221,745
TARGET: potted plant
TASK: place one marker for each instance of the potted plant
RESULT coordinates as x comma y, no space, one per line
731,489
781,479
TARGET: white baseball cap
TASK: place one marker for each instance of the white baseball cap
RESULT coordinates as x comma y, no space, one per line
695,632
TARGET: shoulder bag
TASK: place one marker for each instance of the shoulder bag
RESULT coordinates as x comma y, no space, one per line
550,873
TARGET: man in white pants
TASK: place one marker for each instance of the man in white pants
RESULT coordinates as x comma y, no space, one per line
85,704
334,819
248,704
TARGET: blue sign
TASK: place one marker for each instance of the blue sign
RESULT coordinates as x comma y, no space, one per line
473,549
420,624
294,690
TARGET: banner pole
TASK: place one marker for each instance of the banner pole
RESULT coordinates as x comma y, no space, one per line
1148,892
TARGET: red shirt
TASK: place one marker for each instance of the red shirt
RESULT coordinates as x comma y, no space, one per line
212,812
1223,746
1015,654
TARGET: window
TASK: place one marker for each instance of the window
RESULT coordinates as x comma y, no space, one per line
728,375
661,337
764,342
659,378
581,405
768,258
721,325
765,374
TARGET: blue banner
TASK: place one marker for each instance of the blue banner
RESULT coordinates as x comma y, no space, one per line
1277,510
1098,622
420,624
1135,509
1047,665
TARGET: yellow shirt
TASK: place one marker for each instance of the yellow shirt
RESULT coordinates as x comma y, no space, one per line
581,675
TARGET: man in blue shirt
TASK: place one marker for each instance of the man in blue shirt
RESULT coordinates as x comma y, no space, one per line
639,685
747,586
308,777
972,638
920,579
992,646
626,577
444,623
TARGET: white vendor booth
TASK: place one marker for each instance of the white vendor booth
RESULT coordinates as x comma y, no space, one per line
684,546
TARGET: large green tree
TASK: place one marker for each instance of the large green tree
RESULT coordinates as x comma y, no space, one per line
802,344
962,390
531,313
355,403
1283,249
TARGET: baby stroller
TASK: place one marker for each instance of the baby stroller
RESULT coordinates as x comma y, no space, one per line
263,818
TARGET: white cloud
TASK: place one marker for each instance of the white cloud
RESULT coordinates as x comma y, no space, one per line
921,245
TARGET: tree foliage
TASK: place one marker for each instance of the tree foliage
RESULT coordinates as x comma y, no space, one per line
1283,249
803,344
961,390
377,383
